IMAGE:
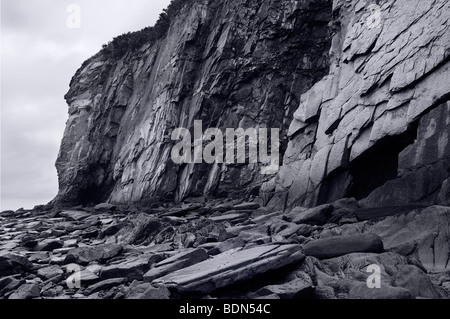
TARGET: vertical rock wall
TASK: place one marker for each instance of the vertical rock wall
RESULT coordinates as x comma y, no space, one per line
377,126
231,64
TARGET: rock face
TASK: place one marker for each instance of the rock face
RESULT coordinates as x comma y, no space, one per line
376,128
422,233
232,64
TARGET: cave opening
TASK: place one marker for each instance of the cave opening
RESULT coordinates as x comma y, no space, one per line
91,195
379,164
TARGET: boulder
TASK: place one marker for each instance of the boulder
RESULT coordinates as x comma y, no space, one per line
131,269
416,282
75,215
314,216
342,245
85,277
147,291
50,272
49,245
422,232
85,255
105,285
233,218
26,291
139,230
298,288
361,291
11,264
247,206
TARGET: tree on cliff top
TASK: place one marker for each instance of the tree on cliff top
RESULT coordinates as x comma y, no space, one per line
132,41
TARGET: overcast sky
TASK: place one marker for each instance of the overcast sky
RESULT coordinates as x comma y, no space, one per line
39,56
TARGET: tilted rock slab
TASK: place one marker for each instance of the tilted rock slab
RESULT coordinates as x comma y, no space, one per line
342,245
231,267
426,231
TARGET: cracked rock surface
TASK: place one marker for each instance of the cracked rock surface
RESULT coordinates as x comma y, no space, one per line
191,254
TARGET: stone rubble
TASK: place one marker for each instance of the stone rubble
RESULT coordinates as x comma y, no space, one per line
269,255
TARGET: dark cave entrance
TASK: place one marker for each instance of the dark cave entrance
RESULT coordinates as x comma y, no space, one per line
92,195
379,164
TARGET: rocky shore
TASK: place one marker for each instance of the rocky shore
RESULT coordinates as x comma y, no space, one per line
224,249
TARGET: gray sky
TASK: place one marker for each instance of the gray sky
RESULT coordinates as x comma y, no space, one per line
39,56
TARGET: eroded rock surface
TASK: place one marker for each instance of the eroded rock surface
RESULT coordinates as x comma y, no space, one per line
264,255
232,64
376,128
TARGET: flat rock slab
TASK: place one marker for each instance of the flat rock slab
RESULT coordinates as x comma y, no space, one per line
231,267
422,232
315,216
85,277
12,264
132,269
85,255
361,291
105,285
50,272
342,245
75,215
229,218
174,263
246,206
26,291
49,245
298,288
382,212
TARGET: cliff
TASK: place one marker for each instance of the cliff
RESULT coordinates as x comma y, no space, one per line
359,90
231,64
376,127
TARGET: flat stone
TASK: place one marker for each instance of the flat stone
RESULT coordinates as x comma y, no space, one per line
11,264
361,291
298,288
416,282
229,218
11,286
314,216
229,244
50,272
49,245
26,291
147,291
247,206
132,269
85,277
85,255
231,267
139,230
105,285
342,245
5,281
75,215
174,263
426,229
111,230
